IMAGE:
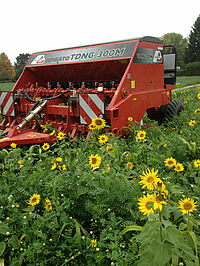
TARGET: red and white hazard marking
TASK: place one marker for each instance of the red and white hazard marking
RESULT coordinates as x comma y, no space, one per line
7,103
157,57
40,59
91,106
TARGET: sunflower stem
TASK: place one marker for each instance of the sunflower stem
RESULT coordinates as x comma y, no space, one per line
188,221
161,233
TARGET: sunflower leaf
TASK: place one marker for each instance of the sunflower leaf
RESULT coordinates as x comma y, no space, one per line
131,228
2,247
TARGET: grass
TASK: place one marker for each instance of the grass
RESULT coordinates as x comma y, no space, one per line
180,81
187,81
6,86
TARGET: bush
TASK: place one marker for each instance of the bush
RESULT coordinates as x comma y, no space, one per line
180,72
192,69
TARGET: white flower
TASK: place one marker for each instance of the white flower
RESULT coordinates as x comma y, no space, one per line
24,217
7,233
13,206
97,249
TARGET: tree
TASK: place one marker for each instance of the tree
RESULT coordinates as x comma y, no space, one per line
20,63
193,50
179,42
7,71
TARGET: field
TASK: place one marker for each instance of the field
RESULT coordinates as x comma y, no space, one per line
108,200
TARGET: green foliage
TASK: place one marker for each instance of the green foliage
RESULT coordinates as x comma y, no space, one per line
98,204
192,69
193,50
20,63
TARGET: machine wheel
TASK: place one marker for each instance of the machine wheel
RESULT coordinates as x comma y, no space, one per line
167,111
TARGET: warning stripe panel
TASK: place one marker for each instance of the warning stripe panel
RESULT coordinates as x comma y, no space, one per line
84,118
7,103
93,102
91,106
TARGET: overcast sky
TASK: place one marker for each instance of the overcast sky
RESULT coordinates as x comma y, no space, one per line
39,25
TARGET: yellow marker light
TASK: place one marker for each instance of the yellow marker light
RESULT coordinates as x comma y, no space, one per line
31,135
132,84
134,99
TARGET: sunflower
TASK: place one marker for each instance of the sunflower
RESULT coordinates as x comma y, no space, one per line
103,139
159,184
149,179
146,204
130,118
109,148
187,205
34,200
52,133
158,201
98,122
94,243
197,163
197,111
59,159
61,135
92,127
94,160
48,205
129,165
192,123
13,145
45,146
179,167
64,167
198,96
141,135
170,162
53,166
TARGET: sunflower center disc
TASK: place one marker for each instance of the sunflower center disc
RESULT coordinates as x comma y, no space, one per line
150,179
187,206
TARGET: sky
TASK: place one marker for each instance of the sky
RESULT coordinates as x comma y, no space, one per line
41,25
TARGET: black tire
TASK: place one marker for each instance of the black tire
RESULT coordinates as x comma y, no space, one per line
167,111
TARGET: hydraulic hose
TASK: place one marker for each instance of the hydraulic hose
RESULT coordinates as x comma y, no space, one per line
50,98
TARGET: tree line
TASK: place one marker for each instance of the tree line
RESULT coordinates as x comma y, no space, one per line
188,51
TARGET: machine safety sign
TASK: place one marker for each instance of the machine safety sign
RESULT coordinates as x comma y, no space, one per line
7,103
91,105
